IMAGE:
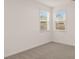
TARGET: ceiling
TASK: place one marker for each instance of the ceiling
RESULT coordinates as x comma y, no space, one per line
54,3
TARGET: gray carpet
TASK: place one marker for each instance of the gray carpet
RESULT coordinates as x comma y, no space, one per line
47,51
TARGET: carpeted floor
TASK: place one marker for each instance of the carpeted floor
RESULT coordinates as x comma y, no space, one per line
47,51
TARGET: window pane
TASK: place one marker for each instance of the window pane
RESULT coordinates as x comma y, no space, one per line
60,25
43,25
60,16
60,20
44,20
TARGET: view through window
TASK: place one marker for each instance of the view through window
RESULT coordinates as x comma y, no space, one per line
44,20
60,20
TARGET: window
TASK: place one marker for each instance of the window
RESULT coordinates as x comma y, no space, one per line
60,20
44,20
60,25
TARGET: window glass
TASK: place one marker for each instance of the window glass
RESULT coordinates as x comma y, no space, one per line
60,20
44,20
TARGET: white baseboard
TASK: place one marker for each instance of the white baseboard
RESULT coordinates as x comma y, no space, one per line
33,46
63,43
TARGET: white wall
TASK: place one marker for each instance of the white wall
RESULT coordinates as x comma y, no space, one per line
68,36
22,29
22,26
